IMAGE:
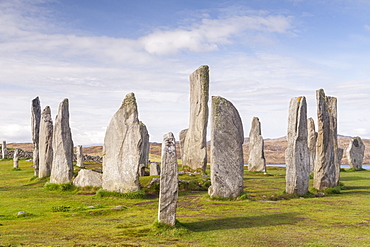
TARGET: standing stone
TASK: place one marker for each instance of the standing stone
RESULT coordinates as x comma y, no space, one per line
122,149
154,169
355,153
325,171
340,156
4,151
80,156
62,167
333,115
87,177
35,124
45,143
296,155
144,156
16,158
311,142
195,144
256,162
227,137
182,136
168,191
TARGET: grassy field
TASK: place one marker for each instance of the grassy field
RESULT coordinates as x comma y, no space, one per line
82,218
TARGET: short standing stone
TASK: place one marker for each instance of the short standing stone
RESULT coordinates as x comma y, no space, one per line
194,153
4,151
35,124
311,142
45,143
88,178
122,149
144,156
154,169
256,162
168,192
80,156
16,158
227,137
296,155
355,153
62,167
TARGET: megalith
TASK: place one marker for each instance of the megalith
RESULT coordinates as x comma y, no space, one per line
45,143
87,177
62,166
326,170
35,125
169,184
194,152
182,136
340,156
79,156
122,149
256,161
355,152
144,156
154,169
4,150
16,158
311,142
227,137
296,155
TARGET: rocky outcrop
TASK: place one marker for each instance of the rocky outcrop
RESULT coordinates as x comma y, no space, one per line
311,142
86,178
355,152
45,143
35,125
256,162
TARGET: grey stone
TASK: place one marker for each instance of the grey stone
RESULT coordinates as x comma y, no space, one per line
4,151
87,177
35,125
296,155
340,156
142,171
256,162
355,152
332,107
79,156
182,136
195,144
122,149
62,167
144,155
154,169
168,192
227,137
311,142
45,143
325,171
16,158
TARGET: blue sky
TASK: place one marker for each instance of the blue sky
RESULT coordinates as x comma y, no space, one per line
260,53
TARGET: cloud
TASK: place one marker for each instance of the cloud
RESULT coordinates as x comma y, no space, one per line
367,27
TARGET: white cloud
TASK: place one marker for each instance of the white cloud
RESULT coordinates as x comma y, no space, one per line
367,27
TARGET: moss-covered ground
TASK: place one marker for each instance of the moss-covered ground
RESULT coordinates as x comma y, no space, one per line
86,218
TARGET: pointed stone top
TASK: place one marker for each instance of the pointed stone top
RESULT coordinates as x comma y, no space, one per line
46,110
129,100
36,101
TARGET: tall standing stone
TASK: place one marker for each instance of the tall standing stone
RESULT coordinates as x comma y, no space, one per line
4,151
122,149
195,144
168,192
79,156
311,142
227,137
62,167
45,143
35,124
326,165
144,156
256,162
16,158
296,155
355,153
333,115
182,136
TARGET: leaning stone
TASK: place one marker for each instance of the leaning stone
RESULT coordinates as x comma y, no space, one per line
256,162
4,150
154,169
122,149
144,155
88,178
35,124
16,158
296,155
45,143
195,144
80,156
355,153
227,137
311,142
168,191
62,167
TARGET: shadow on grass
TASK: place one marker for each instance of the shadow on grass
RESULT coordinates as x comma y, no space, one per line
363,190
353,178
243,222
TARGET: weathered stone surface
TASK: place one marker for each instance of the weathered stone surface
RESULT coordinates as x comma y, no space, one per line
168,192
227,137
195,147
182,136
340,156
79,156
16,158
325,171
296,155
122,149
4,151
144,156
35,125
355,152
256,162
154,169
332,107
62,167
87,177
311,142
45,143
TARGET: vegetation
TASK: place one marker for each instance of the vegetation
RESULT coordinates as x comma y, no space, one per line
34,212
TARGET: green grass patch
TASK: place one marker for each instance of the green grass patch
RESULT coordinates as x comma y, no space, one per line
131,195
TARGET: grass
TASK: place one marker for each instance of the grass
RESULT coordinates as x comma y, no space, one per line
262,216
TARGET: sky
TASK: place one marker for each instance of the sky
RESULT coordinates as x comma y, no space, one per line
261,53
